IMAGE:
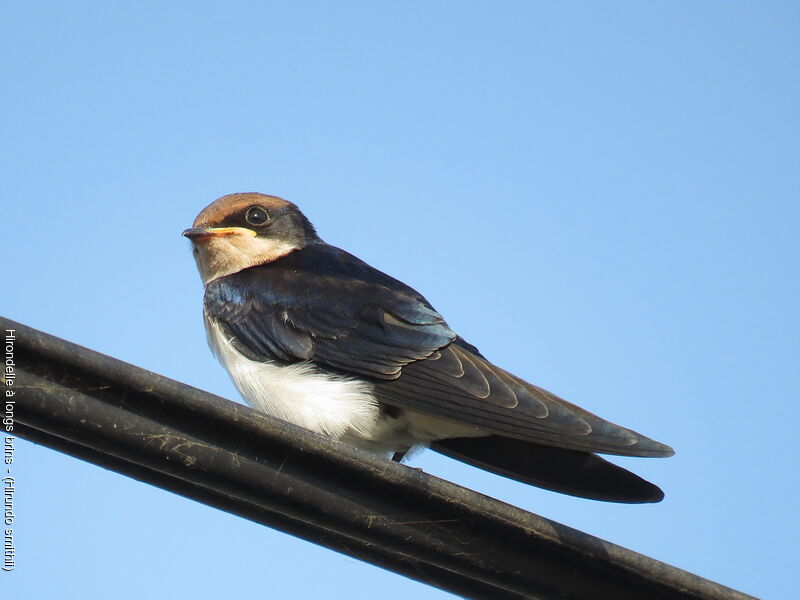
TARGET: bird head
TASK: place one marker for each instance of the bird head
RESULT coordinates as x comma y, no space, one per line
239,231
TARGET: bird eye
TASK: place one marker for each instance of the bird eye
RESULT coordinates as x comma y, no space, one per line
256,215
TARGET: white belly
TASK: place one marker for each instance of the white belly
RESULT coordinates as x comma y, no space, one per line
296,393
338,407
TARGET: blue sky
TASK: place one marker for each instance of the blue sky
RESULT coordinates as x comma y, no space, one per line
603,197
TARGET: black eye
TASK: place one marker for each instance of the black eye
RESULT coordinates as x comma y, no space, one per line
256,215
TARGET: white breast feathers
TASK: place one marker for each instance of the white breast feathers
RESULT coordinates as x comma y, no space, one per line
298,393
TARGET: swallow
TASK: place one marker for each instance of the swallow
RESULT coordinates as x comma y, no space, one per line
312,335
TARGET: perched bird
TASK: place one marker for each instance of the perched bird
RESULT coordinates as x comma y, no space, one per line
312,335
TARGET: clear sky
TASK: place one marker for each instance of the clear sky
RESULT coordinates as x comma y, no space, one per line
603,197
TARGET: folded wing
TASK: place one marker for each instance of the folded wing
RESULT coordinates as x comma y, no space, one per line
325,305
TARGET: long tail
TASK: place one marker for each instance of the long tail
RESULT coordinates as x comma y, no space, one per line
567,471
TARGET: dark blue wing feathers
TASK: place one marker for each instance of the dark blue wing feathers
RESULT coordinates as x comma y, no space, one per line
323,304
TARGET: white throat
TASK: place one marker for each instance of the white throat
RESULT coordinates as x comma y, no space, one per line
220,256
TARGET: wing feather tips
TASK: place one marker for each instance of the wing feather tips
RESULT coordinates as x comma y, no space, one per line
648,448
570,472
611,438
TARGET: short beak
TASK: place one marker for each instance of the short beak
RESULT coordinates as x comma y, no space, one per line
196,233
